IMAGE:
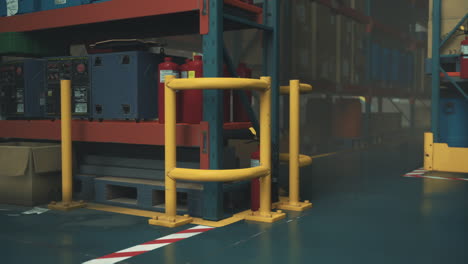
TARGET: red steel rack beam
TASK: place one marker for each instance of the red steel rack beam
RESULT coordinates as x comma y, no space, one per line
98,12
145,133
128,132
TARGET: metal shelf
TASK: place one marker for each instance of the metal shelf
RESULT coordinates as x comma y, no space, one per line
96,13
127,132
156,18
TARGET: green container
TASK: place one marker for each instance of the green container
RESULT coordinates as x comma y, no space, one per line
31,44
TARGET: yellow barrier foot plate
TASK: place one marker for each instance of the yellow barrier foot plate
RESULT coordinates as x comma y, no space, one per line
66,206
170,221
270,218
299,207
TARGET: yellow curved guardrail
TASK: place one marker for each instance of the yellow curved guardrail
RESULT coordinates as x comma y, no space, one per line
263,85
295,159
304,160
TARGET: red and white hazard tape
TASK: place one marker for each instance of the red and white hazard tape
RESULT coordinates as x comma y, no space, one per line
149,246
420,173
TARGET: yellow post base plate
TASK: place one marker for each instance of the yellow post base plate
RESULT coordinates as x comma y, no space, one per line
272,217
299,207
170,221
66,206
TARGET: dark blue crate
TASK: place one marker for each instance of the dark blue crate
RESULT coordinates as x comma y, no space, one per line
124,85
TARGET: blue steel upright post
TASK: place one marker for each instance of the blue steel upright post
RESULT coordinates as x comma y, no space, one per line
271,68
213,108
436,16
368,101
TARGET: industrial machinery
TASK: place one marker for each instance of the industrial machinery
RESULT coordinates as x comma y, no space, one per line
125,85
76,70
22,86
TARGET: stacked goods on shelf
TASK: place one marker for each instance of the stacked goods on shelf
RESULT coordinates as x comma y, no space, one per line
452,12
303,33
347,118
327,37
18,7
360,57
54,4
347,51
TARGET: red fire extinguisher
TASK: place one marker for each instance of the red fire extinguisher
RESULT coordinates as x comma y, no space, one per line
240,114
464,59
183,69
168,67
255,183
192,102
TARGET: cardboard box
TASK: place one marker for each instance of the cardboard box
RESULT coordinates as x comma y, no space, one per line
30,173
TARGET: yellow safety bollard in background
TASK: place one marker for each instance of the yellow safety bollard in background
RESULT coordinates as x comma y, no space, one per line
66,141
295,159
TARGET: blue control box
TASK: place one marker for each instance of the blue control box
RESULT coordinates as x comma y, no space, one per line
24,82
125,85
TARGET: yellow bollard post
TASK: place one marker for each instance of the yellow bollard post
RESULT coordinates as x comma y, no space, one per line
293,203
265,214
294,114
66,126
170,219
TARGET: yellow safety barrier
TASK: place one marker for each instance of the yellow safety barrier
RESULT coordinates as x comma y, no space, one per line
218,175
295,159
171,219
66,141
441,157
303,88
304,160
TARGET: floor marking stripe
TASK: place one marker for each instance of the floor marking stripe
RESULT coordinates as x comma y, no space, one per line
162,241
123,254
194,230
421,174
149,246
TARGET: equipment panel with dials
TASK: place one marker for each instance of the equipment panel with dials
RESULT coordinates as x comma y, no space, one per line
69,68
21,88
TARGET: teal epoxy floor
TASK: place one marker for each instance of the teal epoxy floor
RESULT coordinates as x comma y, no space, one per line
364,212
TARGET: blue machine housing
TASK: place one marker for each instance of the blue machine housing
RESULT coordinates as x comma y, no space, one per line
452,119
125,85
24,6
25,81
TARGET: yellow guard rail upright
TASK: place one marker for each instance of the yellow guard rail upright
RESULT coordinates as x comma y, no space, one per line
172,173
66,141
295,159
